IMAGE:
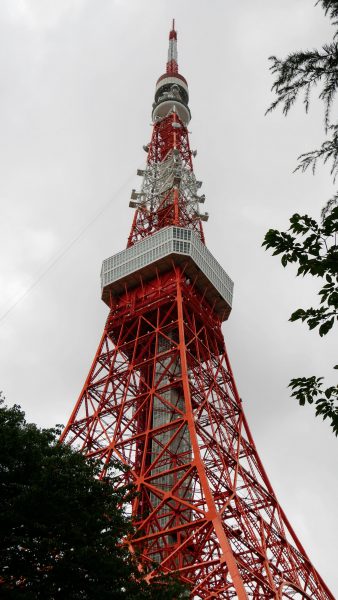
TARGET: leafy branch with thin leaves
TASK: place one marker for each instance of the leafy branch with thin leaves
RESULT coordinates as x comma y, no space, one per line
331,9
311,245
328,152
300,72
314,248
307,389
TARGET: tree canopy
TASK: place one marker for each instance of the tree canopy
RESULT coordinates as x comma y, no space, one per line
61,527
313,245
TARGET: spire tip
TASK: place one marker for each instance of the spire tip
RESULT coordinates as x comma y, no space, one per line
172,52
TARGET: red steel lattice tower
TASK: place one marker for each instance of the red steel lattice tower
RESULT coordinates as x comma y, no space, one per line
161,397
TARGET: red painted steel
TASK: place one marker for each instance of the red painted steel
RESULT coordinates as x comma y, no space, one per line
161,397
172,66
172,209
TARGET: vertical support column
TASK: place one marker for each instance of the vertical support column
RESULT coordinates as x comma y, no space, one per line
177,445
213,514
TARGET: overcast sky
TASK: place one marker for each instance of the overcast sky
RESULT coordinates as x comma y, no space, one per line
77,84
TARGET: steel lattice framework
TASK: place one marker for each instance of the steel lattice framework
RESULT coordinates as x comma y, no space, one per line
161,396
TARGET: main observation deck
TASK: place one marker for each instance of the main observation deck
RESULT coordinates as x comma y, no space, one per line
156,254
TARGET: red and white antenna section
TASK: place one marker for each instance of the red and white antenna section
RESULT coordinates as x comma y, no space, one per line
172,66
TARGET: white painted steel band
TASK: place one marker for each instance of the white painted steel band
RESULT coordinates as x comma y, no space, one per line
162,109
171,80
172,51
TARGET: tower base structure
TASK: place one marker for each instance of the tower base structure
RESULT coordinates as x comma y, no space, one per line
161,397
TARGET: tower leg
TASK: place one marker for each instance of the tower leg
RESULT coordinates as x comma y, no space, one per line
161,398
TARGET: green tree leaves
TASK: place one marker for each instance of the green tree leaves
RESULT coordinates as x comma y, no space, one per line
62,529
330,8
313,248
310,245
302,71
327,153
307,389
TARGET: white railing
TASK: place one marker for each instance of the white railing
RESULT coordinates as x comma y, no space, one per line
167,241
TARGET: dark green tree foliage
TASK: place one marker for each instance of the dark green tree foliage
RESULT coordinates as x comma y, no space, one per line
312,245
60,526
310,389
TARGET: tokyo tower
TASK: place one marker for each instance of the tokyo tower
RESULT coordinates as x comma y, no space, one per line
161,397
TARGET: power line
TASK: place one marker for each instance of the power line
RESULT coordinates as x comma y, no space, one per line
64,251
